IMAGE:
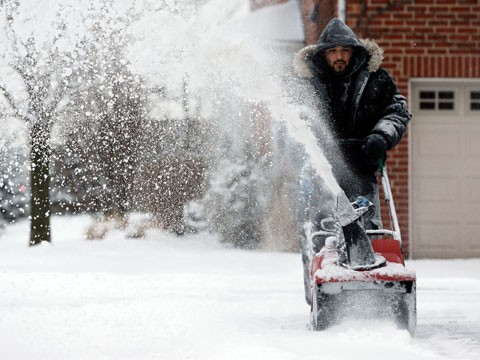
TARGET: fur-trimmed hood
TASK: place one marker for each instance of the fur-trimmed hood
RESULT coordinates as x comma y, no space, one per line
356,103
303,58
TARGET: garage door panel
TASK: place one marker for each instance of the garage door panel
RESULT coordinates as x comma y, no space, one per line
437,189
472,187
470,212
435,211
434,149
473,146
435,198
473,238
436,235
438,144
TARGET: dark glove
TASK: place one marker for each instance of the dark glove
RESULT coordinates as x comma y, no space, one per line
374,148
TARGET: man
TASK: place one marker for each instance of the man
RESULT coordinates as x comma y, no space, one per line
362,108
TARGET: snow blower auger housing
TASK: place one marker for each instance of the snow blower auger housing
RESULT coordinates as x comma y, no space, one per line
361,273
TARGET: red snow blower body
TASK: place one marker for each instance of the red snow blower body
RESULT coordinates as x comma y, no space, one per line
381,287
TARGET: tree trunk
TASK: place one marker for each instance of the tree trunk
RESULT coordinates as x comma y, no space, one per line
40,184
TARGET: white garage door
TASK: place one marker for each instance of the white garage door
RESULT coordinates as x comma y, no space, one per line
445,158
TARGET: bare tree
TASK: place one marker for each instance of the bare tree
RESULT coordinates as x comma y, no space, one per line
43,73
106,114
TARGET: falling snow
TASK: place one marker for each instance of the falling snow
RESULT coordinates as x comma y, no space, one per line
153,119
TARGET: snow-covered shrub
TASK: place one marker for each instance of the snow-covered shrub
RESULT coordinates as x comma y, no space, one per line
235,202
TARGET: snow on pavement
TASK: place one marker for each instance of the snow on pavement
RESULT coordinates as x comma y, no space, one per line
190,297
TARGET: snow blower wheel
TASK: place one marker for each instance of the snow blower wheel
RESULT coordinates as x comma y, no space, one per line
322,315
406,310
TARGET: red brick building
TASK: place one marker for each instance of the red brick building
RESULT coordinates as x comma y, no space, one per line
432,49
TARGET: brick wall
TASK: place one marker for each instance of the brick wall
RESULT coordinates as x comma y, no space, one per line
316,14
422,38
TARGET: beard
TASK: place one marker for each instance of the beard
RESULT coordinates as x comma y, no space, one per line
339,67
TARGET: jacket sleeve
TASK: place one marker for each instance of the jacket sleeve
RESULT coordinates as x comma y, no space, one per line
395,115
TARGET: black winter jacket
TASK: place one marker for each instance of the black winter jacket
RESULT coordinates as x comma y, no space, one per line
375,105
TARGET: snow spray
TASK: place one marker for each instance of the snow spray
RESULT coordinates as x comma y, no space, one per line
222,62
228,72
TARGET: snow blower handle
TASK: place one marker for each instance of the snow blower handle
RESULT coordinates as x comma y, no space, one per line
381,163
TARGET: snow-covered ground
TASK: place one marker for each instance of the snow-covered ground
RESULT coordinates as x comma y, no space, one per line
190,297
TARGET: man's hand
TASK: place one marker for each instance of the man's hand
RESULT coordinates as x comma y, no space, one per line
375,146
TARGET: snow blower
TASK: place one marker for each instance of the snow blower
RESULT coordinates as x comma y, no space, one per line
361,272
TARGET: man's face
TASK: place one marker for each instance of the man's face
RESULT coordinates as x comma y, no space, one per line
338,58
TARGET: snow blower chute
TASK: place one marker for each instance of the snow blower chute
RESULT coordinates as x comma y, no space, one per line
361,272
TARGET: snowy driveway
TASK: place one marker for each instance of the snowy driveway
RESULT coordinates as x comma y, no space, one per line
191,298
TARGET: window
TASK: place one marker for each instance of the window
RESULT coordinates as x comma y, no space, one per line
475,100
441,100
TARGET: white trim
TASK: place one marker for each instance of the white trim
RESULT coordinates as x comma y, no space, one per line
341,9
410,182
